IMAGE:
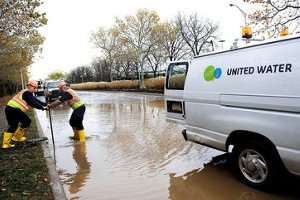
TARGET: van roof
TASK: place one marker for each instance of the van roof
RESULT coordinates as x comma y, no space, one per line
258,42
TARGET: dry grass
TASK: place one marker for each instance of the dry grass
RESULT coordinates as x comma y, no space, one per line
91,86
125,84
153,83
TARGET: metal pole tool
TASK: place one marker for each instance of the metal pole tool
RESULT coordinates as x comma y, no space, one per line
51,126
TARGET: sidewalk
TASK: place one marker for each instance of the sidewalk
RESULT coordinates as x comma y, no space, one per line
2,119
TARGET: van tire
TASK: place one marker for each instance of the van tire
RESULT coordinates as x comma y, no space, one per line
255,165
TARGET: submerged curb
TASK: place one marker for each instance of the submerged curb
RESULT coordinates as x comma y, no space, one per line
56,186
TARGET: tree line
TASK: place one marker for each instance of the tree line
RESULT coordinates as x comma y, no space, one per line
138,46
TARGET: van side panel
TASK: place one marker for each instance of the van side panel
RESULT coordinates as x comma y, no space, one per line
254,89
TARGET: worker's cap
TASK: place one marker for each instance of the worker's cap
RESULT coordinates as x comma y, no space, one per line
32,83
61,84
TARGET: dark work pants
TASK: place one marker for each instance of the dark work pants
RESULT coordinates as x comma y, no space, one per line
15,116
77,118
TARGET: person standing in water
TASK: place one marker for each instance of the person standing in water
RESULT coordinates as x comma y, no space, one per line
78,107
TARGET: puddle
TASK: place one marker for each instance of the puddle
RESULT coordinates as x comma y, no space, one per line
131,152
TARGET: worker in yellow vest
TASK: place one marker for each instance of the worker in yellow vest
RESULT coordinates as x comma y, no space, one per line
78,107
15,112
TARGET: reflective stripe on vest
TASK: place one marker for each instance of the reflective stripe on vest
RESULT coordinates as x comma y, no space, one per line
75,102
18,102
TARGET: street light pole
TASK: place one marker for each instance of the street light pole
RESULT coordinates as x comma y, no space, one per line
243,12
21,74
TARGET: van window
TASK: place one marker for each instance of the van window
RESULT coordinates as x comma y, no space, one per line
176,75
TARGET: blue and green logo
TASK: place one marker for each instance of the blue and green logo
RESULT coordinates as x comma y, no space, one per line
211,73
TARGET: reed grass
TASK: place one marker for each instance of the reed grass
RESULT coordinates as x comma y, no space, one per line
151,84
155,83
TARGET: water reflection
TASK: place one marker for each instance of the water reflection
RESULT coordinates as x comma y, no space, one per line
214,182
77,180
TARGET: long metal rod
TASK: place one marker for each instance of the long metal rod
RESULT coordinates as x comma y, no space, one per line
51,126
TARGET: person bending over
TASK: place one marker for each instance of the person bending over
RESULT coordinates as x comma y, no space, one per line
15,112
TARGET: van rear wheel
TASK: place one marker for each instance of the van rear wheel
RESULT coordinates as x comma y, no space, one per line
255,165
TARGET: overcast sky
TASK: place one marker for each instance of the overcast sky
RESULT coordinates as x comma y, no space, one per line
71,22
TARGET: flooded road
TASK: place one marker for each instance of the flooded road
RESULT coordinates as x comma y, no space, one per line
131,152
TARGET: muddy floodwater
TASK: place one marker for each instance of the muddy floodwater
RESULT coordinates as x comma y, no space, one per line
131,152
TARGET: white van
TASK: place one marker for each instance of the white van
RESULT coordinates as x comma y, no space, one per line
244,101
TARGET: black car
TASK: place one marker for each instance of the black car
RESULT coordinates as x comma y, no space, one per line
51,90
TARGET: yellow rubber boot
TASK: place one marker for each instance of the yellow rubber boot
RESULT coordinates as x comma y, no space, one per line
81,135
6,140
18,136
76,136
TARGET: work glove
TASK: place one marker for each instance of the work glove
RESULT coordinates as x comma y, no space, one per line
45,108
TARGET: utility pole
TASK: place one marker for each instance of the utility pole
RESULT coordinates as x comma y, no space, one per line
21,74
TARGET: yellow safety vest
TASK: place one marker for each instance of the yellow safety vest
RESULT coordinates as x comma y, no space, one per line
75,102
18,102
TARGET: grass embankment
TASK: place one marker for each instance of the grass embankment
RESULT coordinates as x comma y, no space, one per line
152,85
23,172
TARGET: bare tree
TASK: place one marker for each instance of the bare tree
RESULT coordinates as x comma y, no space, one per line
127,58
173,42
136,32
101,67
198,33
107,41
156,59
81,74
